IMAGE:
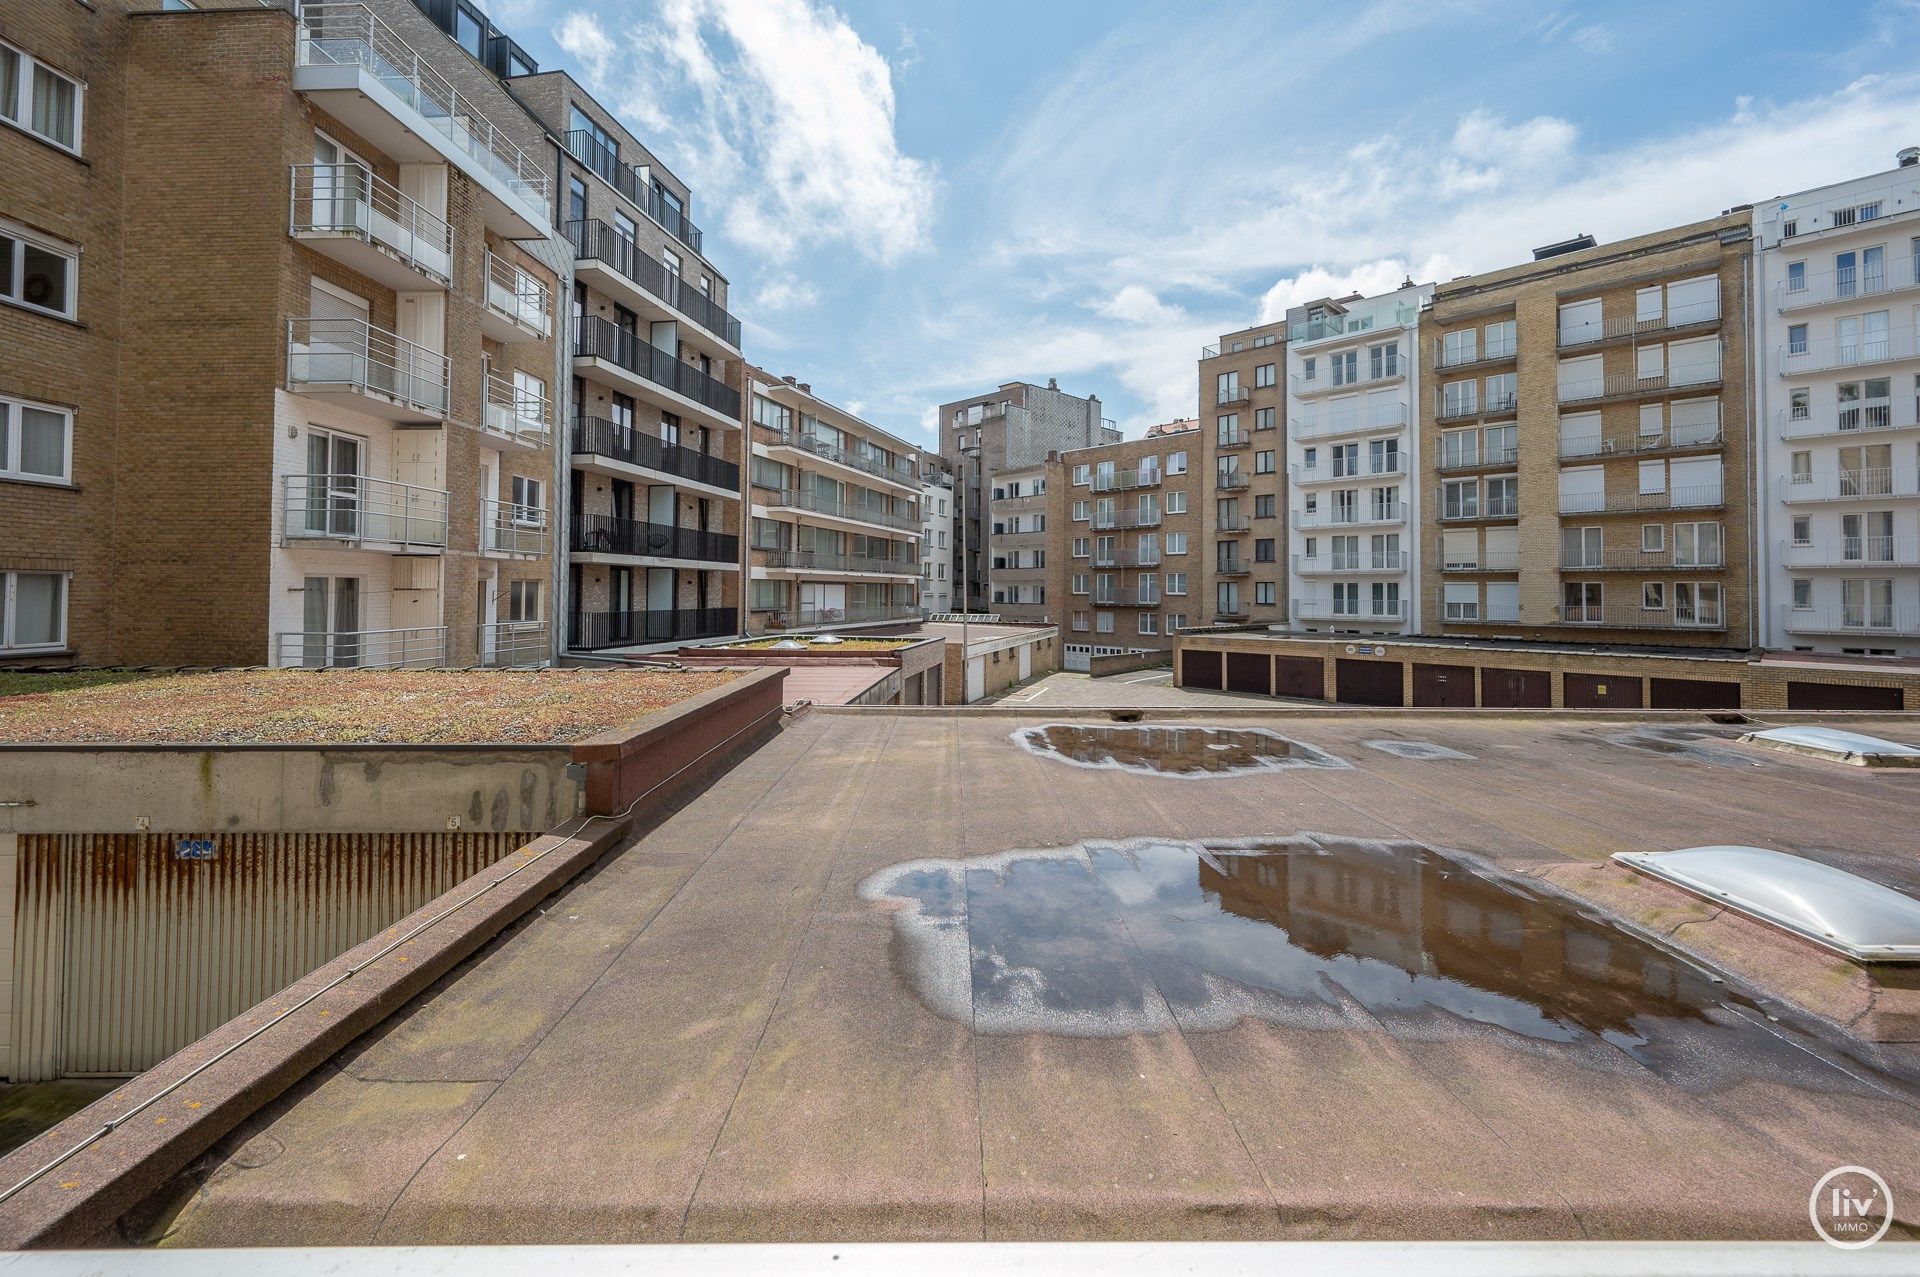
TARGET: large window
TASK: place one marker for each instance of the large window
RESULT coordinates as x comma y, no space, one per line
33,611
39,99
35,273
36,442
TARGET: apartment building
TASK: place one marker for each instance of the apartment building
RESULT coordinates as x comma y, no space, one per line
835,520
1353,378
1243,414
1838,498
1129,540
1585,443
1011,430
300,414
1017,546
938,517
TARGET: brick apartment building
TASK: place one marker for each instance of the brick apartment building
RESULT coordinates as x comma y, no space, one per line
937,517
1243,416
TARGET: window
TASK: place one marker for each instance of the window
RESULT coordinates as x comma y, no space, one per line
1176,463
1103,622
1263,375
527,506
1653,538
576,200
1263,463
1581,601
1459,398
33,611
39,99
1079,583
772,415
1082,475
1799,403
1696,603
1309,368
1502,339
1460,499
1346,367
35,273
1802,530
1796,277
1227,427
1790,228
1462,599
1176,583
468,30
1459,448
1176,502
1263,549
1653,596
1263,418
1461,347
1265,593
604,151
523,600
36,442
1228,388
1176,543
1503,496
1502,392
1264,505
1802,594
1082,547
1696,545
1383,361
1796,339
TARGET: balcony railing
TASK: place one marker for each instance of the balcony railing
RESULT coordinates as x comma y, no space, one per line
603,339
1458,408
518,531
607,534
354,508
826,561
587,631
519,296
1850,283
523,413
1129,596
1327,517
344,34
1476,458
1127,519
1349,421
1631,616
1595,444
1710,559
1125,480
1863,618
594,240
1228,440
352,200
1229,396
1363,561
1853,552
354,356
1232,567
812,616
1862,415
1703,496
1848,352
1486,561
1126,558
1366,613
1233,525
1627,385
512,643
1363,375
1691,315
1852,485
1351,324
640,191
1493,352
422,647
1231,480
1329,473
802,499
595,436
895,470
1493,508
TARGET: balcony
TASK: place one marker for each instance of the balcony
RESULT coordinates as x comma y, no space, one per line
596,439
1486,561
511,644
1366,562
823,562
1326,384
615,265
1349,421
510,531
1470,407
640,190
1233,525
1711,559
627,358
1229,440
1231,614
1132,596
362,73
349,213
1678,439
1356,324
1326,519
1879,621
368,513
423,647
1232,480
799,499
1126,558
1126,519
605,534
588,631
1475,510
1694,497
519,306
1328,610
1861,554
1854,283
1855,418
1631,616
1632,327
356,365
895,470
1232,567
1232,397
1125,480
1866,484
1455,460
1302,474
811,616
1501,353
1863,351
517,414
1698,375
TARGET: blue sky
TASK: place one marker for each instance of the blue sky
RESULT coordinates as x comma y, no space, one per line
916,201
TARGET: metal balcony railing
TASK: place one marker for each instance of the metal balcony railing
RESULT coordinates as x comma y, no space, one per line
1705,559
1361,561
1125,480
519,531
1476,458
1457,407
1125,558
643,193
827,561
1690,315
1462,510
1351,324
810,616
1865,552
600,338
1349,421
1233,524
1363,375
355,508
596,241
1486,561
1693,497
587,631
513,643
1231,480
595,436
1232,567
608,534
1882,619
894,469
1852,484
519,296
1850,418
1863,279
1127,519
1626,385
519,412
1475,354
1129,596
1631,616
345,34
1331,473
1364,612
1227,440
1857,351
353,355
421,647
352,200
1595,444
801,499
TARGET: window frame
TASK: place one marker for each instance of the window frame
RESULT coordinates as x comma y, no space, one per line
22,119
10,615
16,268
10,416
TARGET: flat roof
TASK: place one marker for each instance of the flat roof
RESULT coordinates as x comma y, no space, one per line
1473,641
727,1032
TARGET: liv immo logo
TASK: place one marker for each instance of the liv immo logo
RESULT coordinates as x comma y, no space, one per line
1851,1207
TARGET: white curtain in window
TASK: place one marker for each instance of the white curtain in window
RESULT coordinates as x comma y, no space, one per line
53,107
9,83
38,608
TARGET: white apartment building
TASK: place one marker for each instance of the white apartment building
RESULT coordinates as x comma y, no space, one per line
1838,500
938,521
1352,444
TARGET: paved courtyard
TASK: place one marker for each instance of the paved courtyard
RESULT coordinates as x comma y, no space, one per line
1142,689
904,977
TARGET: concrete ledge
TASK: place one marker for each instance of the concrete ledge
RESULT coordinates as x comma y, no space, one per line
1104,666
629,764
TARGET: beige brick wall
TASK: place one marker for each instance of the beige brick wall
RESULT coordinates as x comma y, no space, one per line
1245,361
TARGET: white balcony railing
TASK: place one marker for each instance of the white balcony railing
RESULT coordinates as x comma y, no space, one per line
1485,561
1328,473
513,643
1689,315
1707,559
1324,381
1882,619
1865,279
421,647
1458,405
1864,553
1327,517
1594,444
1860,351
1692,497
1475,354
1701,372
1364,561
518,296
518,531
1463,457
1852,485
520,412
351,200
1631,616
1362,613
1348,421
1861,415
354,508
354,356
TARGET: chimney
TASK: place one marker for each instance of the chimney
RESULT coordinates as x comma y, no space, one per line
790,381
806,387
1909,156
1053,383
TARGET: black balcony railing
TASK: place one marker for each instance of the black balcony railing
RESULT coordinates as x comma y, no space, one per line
594,240
603,339
599,437
605,534
620,629
827,561
625,179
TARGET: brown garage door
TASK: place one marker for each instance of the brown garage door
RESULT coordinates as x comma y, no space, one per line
1302,676
1443,686
1602,691
1200,669
1692,693
1368,683
1515,689
1841,696
1249,672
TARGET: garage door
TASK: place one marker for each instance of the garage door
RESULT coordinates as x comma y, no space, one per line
1249,672
1841,696
1603,691
1078,657
1368,683
1515,689
1200,669
1302,676
976,679
1443,686
1692,693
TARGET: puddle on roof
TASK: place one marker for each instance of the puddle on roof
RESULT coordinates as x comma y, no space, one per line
1702,744
1424,750
1173,751
1105,939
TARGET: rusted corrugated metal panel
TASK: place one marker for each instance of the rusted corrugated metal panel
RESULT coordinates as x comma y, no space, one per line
126,951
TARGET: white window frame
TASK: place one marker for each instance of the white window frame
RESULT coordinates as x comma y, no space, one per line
22,118
518,593
16,269
8,587
10,418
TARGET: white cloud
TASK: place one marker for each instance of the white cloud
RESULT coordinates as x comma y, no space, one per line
1596,39
1369,279
783,292
1134,304
584,40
